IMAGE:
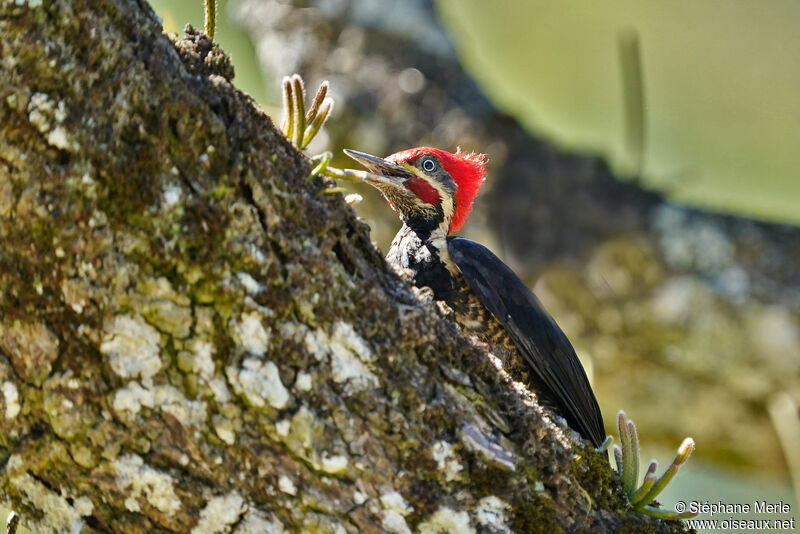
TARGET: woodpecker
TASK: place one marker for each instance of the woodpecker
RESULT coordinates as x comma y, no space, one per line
432,191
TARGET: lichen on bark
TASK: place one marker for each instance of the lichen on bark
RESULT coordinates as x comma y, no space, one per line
193,337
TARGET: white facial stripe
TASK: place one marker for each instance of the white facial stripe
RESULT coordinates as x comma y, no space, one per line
447,209
440,243
447,205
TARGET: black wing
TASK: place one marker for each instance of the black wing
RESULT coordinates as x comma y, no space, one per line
543,345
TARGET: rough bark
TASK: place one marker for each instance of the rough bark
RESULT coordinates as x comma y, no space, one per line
673,307
193,336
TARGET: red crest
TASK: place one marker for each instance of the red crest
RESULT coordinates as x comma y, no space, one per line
468,171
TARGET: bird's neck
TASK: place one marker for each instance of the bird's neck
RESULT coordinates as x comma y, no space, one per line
426,229
419,248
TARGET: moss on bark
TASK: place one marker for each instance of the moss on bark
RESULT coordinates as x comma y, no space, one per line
193,336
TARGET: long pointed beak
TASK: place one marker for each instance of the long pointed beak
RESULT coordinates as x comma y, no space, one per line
380,171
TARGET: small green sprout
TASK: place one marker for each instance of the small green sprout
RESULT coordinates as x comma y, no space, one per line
298,126
210,24
627,459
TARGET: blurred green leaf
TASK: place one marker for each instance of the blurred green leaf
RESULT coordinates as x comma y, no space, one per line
720,78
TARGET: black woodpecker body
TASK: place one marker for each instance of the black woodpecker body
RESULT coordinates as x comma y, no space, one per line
432,190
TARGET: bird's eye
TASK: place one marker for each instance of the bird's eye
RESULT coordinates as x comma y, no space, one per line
428,165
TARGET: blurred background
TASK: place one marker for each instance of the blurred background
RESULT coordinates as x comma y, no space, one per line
644,179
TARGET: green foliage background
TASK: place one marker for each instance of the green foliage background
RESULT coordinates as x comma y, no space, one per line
721,80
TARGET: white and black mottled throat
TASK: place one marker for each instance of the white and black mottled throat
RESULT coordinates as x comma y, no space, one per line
414,250
424,225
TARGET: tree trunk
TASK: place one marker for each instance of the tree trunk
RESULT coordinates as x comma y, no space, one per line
194,336
657,297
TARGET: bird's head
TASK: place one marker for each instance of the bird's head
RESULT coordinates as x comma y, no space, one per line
432,190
